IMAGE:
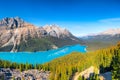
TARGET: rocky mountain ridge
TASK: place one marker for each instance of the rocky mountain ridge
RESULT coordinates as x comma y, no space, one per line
56,31
11,23
14,31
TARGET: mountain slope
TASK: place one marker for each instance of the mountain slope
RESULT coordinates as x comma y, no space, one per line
102,40
18,35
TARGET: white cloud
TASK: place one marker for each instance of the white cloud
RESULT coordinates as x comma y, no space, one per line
110,20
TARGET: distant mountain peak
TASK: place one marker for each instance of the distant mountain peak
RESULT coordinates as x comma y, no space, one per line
111,32
12,22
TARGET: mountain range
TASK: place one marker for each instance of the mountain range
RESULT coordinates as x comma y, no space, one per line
101,40
18,35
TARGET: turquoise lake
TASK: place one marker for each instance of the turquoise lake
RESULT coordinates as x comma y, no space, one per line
42,56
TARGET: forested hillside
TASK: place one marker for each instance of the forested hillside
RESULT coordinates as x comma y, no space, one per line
65,67
102,40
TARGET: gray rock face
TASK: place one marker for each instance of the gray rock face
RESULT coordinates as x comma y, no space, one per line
14,30
11,23
106,76
56,31
53,33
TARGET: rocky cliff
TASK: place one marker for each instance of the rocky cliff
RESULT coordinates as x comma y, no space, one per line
18,35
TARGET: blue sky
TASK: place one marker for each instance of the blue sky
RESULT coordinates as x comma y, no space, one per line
81,17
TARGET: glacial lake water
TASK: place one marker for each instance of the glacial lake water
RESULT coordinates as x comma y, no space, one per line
42,56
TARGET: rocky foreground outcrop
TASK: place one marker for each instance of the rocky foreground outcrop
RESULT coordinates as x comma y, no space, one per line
91,72
15,74
86,73
14,31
